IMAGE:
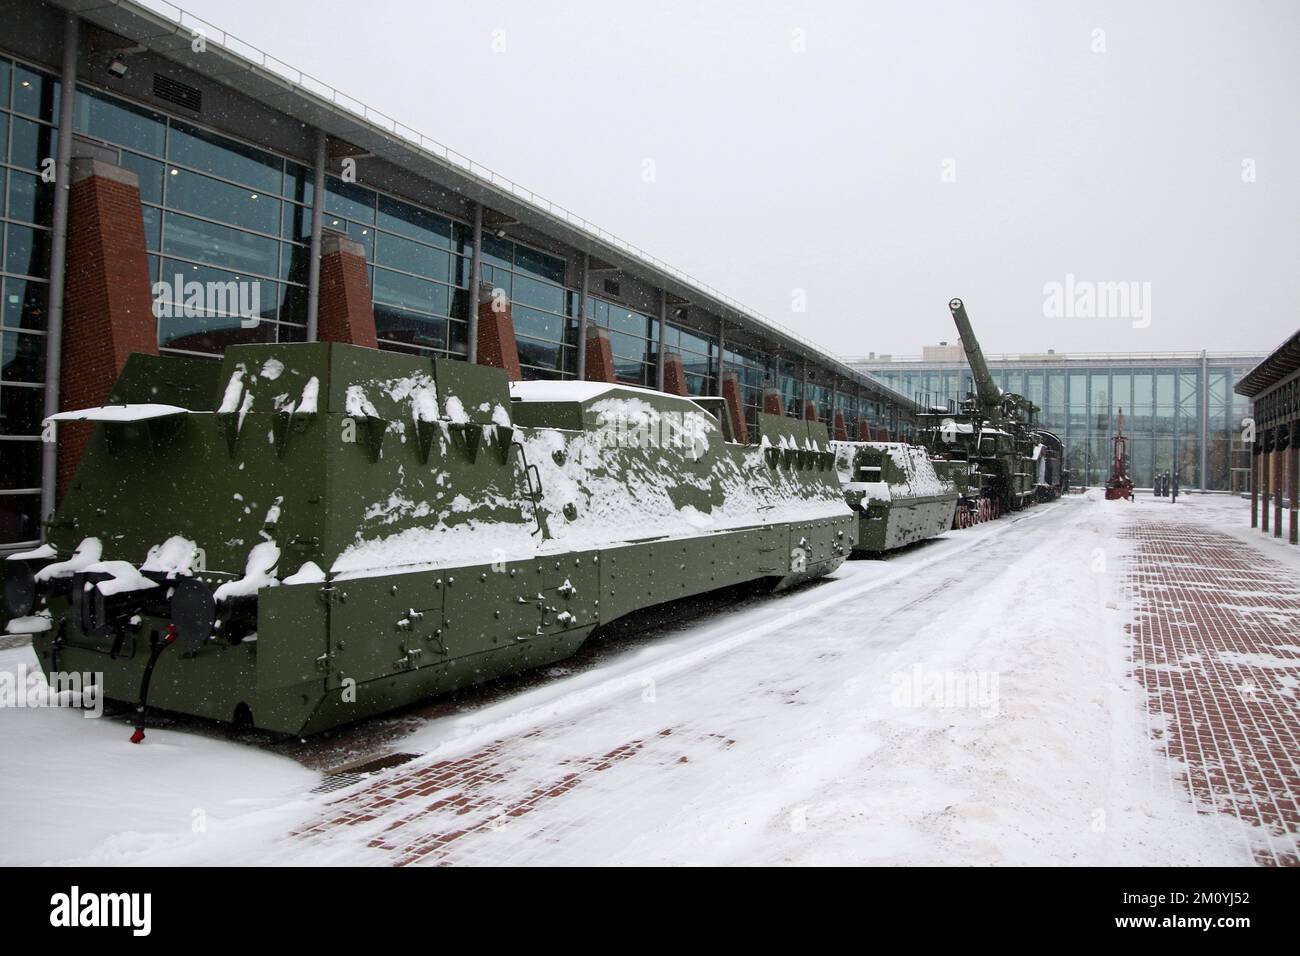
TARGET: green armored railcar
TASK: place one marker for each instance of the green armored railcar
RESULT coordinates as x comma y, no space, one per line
304,535
896,492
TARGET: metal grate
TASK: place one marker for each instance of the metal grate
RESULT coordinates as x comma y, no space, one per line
347,777
174,91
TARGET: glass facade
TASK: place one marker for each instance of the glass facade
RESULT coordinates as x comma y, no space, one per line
1162,413
217,209
29,104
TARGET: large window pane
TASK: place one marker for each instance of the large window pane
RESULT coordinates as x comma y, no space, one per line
31,143
535,352
19,518
349,200
120,123
210,153
20,410
35,93
150,172
540,294
411,257
190,288
22,357
20,463
26,302
408,292
220,245
413,222
539,264
538,324
410,328
27,251
205,196
211,334
30,198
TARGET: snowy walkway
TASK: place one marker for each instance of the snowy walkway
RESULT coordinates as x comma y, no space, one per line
969,701
1218,648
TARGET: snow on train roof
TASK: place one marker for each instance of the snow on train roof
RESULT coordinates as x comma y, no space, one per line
571,391
119,413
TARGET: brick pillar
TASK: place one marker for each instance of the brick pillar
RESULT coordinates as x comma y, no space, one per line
810,412
1279,475
496,333
772,403
882,434
674,374
600,355
1293,482
735,407
864,430
345,312
1265,489
841,429
108,303
1256,461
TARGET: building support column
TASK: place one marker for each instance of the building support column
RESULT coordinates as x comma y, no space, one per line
1255,463
1205,417
582,318
1266,489
58,267
663,338
314,254
475,277
1293,481
1279,465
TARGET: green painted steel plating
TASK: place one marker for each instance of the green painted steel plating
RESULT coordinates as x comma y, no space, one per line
328,532
896,492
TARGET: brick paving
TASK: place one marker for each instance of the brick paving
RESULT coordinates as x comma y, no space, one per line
445,812
1216,632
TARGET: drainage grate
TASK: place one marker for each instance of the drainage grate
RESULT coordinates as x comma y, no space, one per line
347,776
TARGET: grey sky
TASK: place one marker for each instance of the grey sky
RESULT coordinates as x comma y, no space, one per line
822,170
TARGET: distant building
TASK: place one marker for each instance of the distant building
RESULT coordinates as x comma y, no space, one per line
1180,412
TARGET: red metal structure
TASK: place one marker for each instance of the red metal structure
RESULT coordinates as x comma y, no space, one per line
1119,485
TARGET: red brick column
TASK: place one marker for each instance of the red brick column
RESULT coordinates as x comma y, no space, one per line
1294,484
864,430
1256,463
108,304
1279,482
810,412
735,408
674,374
600,355
496,333
841,432
345,312
882,434
772,402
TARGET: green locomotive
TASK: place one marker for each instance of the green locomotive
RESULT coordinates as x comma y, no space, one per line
305,535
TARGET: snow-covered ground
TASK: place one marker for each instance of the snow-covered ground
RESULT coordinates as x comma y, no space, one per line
966,701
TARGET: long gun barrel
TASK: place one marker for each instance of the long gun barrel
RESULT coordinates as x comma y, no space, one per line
985,387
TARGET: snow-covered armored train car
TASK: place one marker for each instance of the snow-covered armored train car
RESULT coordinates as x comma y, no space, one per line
304,535
896,492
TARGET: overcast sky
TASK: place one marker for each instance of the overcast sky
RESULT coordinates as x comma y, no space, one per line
881,157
